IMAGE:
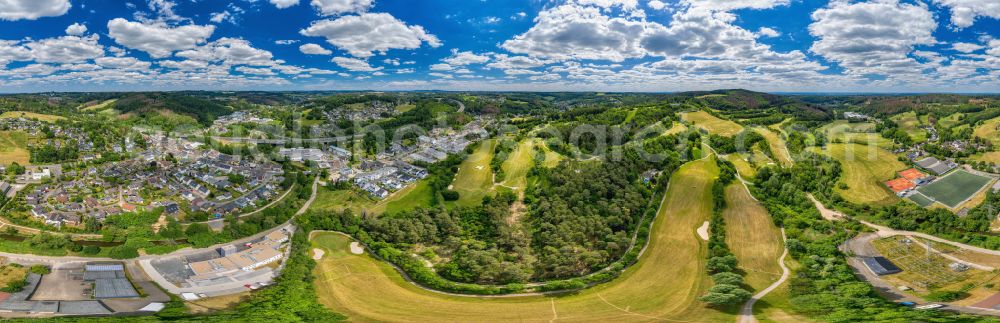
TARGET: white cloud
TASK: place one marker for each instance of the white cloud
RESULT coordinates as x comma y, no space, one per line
32,9
965,12
354,64
370,32
405,71
574,32
458,58
255,71
729,5
391,61
768,32
230,51
966,47
441,75
656,5
872,37
218,17
337,7
313,49
441,67
157,39
282,4
184,65
607,4
286,41
66,49
76,29
124,63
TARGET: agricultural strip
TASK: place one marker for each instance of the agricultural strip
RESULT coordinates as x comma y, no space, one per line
663,286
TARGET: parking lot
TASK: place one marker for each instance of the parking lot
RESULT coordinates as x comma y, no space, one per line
63,285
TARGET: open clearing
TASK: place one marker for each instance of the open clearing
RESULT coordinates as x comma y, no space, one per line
517,165
752,236
955,187
777,145
339,200
663,286
865,169
841,131
988,131
414,196
552,158
14,148
675,129
990,157
30,115
712,124
911,124
746,170
475,177
100,106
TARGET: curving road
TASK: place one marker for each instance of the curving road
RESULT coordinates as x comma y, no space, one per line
746,313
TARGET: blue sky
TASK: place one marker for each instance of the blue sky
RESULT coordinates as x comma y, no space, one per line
575,45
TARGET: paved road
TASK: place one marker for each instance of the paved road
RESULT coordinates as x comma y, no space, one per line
861,246
746,313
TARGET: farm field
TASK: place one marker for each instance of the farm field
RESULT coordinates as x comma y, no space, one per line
865,169
712,124
955,187
14,148
777,145
475,177
30,115
988,130
752,236
663,286
911,124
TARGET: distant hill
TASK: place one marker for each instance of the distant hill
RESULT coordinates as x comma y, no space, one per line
758,107
205,111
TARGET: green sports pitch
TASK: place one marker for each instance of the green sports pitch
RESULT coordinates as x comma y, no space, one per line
954,188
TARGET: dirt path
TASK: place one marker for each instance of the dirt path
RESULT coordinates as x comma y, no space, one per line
746,313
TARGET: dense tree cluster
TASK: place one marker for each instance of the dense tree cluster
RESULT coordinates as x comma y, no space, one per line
729,288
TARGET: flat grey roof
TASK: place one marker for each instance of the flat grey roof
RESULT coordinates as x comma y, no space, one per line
114,288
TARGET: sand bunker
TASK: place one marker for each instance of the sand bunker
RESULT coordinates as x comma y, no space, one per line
356,248
318,253
703,231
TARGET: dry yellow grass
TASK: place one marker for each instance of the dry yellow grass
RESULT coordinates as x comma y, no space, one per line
865,169
988,130
215,304
663,286
517,165
99,106
712,124
752,237
14,148
30,115
743,167
552,158
777,145
675,129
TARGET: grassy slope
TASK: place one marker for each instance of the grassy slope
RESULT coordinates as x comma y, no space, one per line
14,147
777,145
664,285
712,124
30,115
552,158
742,165
855,133
908,122
99,106
516,166
865,169
752,236
336,201
988,130
475,178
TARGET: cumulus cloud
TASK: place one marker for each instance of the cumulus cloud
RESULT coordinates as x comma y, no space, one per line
313,49
768,32
459,58
76,29
874,37
282,4
229,51
729,5
656,4
66,49
285,41
966,47
367,33
157,39
255,70
32,9
337,7
441,67
965,12
124,63
577,32
354,64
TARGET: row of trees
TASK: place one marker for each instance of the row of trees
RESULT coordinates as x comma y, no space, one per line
729,288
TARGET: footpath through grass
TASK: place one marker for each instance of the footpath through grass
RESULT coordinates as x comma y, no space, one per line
663,286
752,237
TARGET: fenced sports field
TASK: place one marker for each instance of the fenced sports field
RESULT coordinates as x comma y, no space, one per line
955,188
